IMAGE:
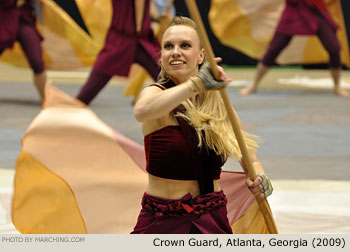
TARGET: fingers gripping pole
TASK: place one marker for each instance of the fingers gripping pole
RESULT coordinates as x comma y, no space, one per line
263,204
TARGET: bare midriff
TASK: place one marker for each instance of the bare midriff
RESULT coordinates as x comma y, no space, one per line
175,189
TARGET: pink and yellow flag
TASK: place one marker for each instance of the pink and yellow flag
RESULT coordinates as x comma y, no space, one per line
248,26
75,174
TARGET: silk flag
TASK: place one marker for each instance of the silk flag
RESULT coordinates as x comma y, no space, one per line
66,45
248,26
75,174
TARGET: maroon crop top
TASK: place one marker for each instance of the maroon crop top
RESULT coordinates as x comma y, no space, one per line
169,155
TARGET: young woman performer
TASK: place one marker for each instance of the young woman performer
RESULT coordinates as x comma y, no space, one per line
129,40
302,17
188,138
17,23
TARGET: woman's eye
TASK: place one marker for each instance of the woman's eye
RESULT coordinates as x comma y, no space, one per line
185,45
168,46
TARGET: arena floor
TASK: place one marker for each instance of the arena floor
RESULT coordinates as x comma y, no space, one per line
305,129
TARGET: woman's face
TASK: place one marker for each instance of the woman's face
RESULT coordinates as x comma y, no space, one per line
181,53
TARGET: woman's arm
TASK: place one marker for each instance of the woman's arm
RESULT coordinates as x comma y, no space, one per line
154,103
262,181
261,186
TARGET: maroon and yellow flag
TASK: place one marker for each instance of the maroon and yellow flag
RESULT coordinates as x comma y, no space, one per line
248,26
75,174
66,45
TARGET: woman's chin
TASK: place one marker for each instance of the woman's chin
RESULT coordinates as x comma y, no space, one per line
179,75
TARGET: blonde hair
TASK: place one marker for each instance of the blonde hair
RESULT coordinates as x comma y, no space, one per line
209,117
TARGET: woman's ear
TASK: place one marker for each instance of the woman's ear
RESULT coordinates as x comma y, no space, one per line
201,56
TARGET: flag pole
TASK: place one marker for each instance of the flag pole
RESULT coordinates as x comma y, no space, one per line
263,204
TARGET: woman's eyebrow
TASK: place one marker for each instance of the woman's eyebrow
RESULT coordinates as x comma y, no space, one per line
181,41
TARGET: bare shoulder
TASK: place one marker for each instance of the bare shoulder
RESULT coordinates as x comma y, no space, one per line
153,125
146,96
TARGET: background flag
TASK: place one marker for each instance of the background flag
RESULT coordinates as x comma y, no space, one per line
67,45
248,26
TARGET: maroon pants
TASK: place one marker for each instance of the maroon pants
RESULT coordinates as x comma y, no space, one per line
97,81
327,36
30,43
205,214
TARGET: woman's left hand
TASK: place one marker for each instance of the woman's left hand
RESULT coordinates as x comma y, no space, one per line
261,187
256,187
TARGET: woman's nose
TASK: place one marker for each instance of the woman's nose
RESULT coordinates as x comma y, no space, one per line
176,51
